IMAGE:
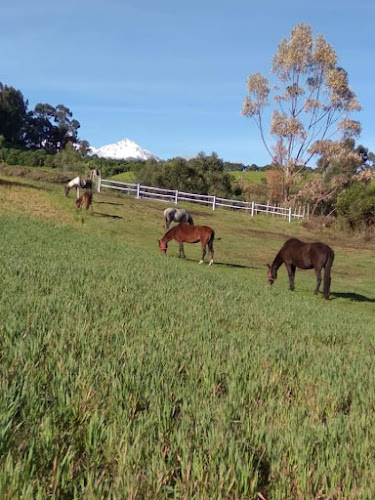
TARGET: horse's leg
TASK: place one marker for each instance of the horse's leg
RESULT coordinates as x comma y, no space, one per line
211,249
318,273
181,252
291,270
293,267
203,253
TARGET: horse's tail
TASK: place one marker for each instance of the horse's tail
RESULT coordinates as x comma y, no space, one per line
211,240
327,273
190,220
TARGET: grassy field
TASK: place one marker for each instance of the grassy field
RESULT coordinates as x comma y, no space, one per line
127,374
258,177
125,177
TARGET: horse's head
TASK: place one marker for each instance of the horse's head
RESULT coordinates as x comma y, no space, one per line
163,246
271,275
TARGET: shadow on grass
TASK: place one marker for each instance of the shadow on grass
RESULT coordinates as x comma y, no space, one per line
108,203
356,297
240,266
108,215
3,182
226,264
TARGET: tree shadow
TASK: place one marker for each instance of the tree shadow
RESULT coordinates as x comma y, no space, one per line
351,296
4,182
108,215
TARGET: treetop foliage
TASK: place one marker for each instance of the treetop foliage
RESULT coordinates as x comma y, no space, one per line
312,102
45,127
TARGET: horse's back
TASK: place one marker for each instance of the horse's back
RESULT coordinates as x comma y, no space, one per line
181,215
192,234
305,255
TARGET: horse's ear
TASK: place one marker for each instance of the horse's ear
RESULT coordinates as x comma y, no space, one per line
269,267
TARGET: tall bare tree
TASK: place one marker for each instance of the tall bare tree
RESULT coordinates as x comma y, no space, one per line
312,102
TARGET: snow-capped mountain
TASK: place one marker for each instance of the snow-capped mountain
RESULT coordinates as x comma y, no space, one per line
123,150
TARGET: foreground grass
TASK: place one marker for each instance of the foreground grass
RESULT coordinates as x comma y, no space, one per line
125,374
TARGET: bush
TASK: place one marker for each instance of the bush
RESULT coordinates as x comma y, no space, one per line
202,174
356,205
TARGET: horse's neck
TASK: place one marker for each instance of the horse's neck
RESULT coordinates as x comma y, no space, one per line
169,235
277,261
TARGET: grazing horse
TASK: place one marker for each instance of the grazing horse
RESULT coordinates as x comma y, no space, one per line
185,233
86,200
294,253
176,215
78,182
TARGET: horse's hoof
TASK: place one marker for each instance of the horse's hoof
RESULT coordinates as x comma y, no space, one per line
200,262
211,262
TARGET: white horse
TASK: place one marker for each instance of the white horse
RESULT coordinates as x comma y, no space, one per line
177,215
78,182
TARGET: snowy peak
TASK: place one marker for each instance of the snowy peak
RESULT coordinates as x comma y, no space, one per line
123,150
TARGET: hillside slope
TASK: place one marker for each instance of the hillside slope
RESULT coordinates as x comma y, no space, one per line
129,374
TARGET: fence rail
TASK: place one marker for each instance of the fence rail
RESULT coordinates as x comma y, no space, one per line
174,196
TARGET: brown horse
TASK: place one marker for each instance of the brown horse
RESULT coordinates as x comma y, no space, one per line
294,253
185,233
86,200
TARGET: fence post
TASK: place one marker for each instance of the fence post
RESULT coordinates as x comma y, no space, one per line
99,183
213,202
176,197
138,189
252,209
290,214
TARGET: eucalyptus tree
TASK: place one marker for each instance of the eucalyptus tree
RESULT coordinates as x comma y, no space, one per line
311,106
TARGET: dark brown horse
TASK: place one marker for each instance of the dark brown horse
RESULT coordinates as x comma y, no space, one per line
185,233
294,253
86,200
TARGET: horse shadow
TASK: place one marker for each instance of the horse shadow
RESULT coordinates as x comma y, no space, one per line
355,297
238,266
108,203
108,215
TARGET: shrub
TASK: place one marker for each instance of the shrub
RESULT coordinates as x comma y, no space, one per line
356,205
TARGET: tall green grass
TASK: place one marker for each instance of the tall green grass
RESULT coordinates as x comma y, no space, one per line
126,374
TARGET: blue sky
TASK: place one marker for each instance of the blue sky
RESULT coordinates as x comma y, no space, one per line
171,75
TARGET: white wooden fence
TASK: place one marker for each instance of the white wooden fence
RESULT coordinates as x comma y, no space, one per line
174,196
